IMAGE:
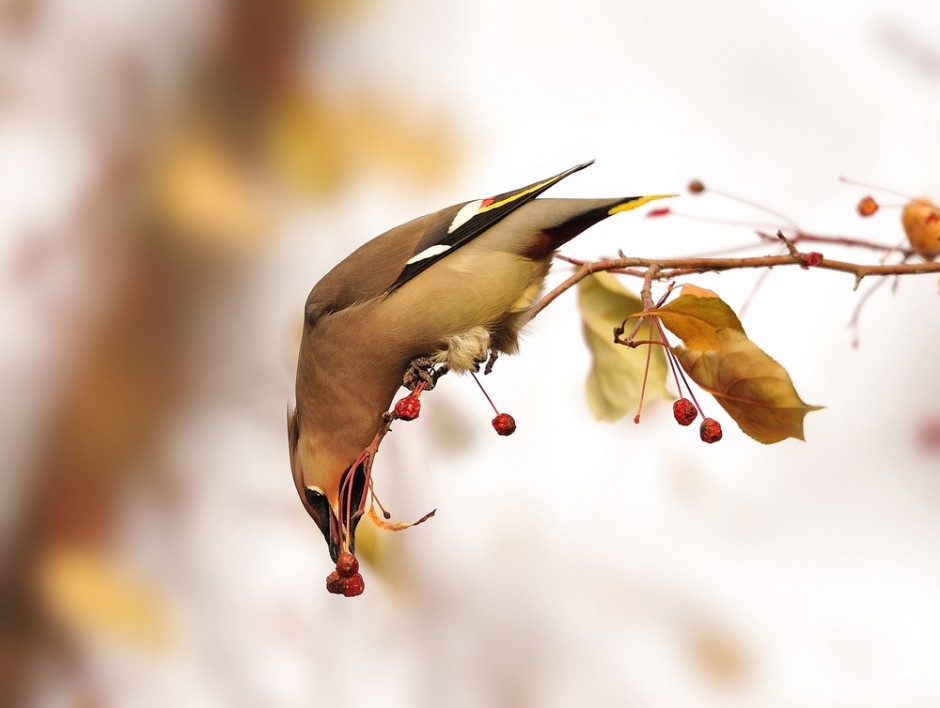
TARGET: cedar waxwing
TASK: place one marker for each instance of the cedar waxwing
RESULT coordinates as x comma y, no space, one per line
451,289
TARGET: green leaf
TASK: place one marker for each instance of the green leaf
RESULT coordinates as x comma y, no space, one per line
751,386
616,377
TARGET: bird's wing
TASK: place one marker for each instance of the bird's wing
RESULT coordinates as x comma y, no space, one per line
470,220
388,261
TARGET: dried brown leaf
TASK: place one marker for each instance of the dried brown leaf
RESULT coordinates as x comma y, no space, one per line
751,386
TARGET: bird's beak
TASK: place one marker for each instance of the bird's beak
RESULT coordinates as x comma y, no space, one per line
339,526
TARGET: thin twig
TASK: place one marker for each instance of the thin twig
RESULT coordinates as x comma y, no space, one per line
838,241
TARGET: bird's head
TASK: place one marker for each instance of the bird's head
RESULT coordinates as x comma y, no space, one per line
332,495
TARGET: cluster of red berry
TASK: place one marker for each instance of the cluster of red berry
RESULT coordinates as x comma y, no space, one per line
346,580
409,407
685,413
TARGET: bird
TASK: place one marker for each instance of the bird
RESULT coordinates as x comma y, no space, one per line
444,292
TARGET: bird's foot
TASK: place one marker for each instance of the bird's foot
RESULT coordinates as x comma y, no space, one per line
423,370
488,369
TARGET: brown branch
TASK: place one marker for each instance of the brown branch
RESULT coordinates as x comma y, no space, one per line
669,268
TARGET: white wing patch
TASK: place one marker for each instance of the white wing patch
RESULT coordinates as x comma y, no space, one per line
429,253
464,215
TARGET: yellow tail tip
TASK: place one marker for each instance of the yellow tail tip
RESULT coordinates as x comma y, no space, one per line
637,202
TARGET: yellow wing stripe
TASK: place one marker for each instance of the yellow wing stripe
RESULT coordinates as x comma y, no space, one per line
519,195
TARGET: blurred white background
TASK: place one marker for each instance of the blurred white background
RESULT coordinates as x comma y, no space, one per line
174,178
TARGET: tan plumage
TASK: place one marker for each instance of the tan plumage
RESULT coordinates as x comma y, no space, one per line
451,287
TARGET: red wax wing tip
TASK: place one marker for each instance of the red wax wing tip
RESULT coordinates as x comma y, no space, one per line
663,211
504,424
408,408
813,258
684,411
347,565
710,430
867,206
354,586
335,583
486,202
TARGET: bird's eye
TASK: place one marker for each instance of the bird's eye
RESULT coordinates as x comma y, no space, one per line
319,509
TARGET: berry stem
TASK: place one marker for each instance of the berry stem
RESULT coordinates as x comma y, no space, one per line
492,405
848,180
375,498
755,205
646,372
677,368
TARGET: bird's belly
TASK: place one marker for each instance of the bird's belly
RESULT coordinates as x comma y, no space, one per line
464,306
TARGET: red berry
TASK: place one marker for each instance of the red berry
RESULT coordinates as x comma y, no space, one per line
335,583
696,186
504,424
867,207
408,407
347,565
354,586
813,258
684,411
710,430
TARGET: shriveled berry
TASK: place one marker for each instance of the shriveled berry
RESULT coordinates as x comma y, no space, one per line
867,206
336,584
813,258
408,407
684,411
354,585
504,424
710,430
696,186
347,565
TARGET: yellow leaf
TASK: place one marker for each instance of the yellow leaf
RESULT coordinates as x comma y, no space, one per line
689,289
616,377
697,319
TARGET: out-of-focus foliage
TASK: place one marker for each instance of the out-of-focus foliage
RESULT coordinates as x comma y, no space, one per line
199,127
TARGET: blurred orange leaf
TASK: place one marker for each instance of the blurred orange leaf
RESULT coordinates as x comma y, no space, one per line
91,594
206,196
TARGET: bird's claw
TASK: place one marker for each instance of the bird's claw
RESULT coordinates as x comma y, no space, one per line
422,370
488,369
